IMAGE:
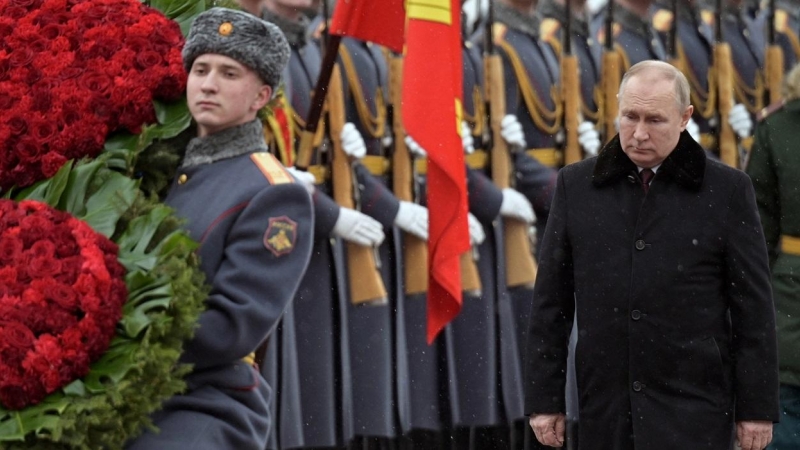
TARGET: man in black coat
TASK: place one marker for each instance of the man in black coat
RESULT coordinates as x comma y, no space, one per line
669,277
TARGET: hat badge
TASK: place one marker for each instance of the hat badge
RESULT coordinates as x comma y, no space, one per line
225,28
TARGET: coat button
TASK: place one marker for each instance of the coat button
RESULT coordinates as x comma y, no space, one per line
183,178
636,314
631,179
640,245
637,386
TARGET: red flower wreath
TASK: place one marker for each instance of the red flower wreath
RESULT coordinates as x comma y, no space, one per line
73,71
61,296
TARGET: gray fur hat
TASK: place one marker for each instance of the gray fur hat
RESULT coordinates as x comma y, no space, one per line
256,43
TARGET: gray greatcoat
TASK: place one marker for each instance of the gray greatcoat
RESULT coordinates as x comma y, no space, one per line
675,317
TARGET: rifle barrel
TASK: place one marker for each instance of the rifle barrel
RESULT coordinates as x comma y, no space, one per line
609,44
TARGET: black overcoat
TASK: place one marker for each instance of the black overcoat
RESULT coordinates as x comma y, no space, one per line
675,316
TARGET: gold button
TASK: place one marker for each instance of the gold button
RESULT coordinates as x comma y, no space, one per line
182,179
226,28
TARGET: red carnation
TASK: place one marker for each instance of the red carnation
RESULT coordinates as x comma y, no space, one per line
61,296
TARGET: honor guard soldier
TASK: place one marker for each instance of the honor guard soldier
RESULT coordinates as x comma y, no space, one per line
787,29
529,72
377,334
774,167
695,46
314,365
254,224
749,80
584,48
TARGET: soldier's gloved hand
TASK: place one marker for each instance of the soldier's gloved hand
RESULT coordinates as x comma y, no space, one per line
359,228
589,138
516,206
413,218
694,130
415,148
740,120
352,142
466,138
476,233
305,178
511,131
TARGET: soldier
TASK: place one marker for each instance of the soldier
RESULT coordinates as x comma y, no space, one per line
695,45
553,18
747,56
773,167
315,388
377,334
787,28
254,225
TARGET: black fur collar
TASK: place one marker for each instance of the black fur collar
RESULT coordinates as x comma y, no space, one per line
686,164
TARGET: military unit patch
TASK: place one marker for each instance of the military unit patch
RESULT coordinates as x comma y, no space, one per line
280,235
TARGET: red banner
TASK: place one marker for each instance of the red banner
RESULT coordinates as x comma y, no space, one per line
379,21
432,78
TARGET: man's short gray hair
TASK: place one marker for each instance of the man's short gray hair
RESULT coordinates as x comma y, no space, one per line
667,72
791,84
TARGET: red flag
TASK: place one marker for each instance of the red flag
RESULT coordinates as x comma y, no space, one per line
379,21
432,78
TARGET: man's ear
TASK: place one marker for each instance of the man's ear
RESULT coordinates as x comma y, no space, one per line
686,116
263,97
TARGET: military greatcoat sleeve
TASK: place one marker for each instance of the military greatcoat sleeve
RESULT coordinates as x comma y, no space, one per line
326,212
256,277
377,201
551,315
751,309
761,169
485,198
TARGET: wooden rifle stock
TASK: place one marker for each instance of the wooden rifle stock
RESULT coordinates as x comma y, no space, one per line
570,90
774,72
520,266
366,284
611,77
415,250
723,68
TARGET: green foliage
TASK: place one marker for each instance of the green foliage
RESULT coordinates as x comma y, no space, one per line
165,296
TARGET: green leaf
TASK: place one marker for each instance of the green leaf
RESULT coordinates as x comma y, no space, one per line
48,191
141,317
122,141
75,192
109,203
181,11
75,389
142,229
115,363
33,419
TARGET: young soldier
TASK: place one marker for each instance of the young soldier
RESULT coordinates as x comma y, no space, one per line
254,225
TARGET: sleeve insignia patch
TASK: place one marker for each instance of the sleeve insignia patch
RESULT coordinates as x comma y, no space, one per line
280,235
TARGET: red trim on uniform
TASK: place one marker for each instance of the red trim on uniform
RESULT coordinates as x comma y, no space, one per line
222,217
256,376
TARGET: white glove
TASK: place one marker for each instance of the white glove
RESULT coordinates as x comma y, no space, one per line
466,138
305,178
511,131
352,142
476,233
414,148
589,138
694,130
739,119
516,206
413,218
359,228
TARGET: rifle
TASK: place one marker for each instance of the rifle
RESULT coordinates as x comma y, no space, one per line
773,70
366,284
611,75
415,250
520,266
723,71
570,92
672,38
